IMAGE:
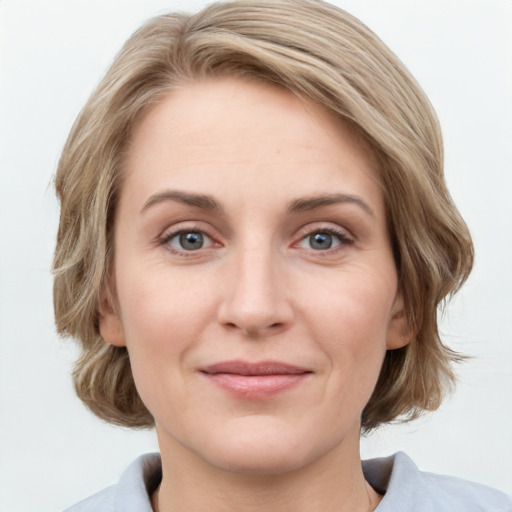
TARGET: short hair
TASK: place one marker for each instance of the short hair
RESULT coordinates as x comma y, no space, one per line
319,53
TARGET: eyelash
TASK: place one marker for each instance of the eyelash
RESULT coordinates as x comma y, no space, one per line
341,235
166,239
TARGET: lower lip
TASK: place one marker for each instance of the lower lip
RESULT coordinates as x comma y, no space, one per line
256,386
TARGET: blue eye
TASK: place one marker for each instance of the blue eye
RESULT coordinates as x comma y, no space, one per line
321,241
324,240
189,241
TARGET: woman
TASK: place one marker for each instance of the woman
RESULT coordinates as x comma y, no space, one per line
255,236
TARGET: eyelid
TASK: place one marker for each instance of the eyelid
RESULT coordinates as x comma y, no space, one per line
343,234
171,232
208,242
324,227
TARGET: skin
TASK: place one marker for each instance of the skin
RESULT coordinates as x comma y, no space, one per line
258,289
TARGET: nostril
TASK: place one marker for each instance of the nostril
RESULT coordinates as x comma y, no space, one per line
254,331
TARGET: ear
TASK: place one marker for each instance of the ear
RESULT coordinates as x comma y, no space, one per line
400,332
110,326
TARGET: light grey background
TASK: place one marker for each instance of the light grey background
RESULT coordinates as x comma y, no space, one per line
52,451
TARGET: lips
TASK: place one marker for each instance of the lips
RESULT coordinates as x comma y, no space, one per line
255,380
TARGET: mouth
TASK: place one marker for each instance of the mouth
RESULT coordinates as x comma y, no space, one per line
255,380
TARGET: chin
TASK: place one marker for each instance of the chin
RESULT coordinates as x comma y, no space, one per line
259,460
264,450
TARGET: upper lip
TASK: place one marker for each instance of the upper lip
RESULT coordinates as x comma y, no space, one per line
239,367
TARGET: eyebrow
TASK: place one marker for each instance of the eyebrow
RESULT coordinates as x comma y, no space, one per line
198,200
311,203
303,204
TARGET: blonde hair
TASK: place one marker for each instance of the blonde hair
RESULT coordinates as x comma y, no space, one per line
320,53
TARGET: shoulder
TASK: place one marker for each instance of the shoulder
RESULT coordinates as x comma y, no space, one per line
101,502
408,489
131,493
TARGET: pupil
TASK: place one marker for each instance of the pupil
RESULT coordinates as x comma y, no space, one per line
191,241
321,241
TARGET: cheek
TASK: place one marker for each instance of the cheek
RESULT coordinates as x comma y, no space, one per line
164,319
351,318
357,306
162,307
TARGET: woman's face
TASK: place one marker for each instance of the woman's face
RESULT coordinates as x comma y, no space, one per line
254,277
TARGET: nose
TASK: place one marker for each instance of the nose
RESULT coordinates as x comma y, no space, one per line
255,296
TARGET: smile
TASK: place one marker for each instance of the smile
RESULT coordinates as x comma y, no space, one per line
255,380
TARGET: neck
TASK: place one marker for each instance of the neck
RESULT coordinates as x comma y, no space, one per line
332,483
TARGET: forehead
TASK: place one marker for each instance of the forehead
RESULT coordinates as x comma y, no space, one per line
216,131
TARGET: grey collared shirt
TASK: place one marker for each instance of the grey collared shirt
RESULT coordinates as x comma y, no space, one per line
405,489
